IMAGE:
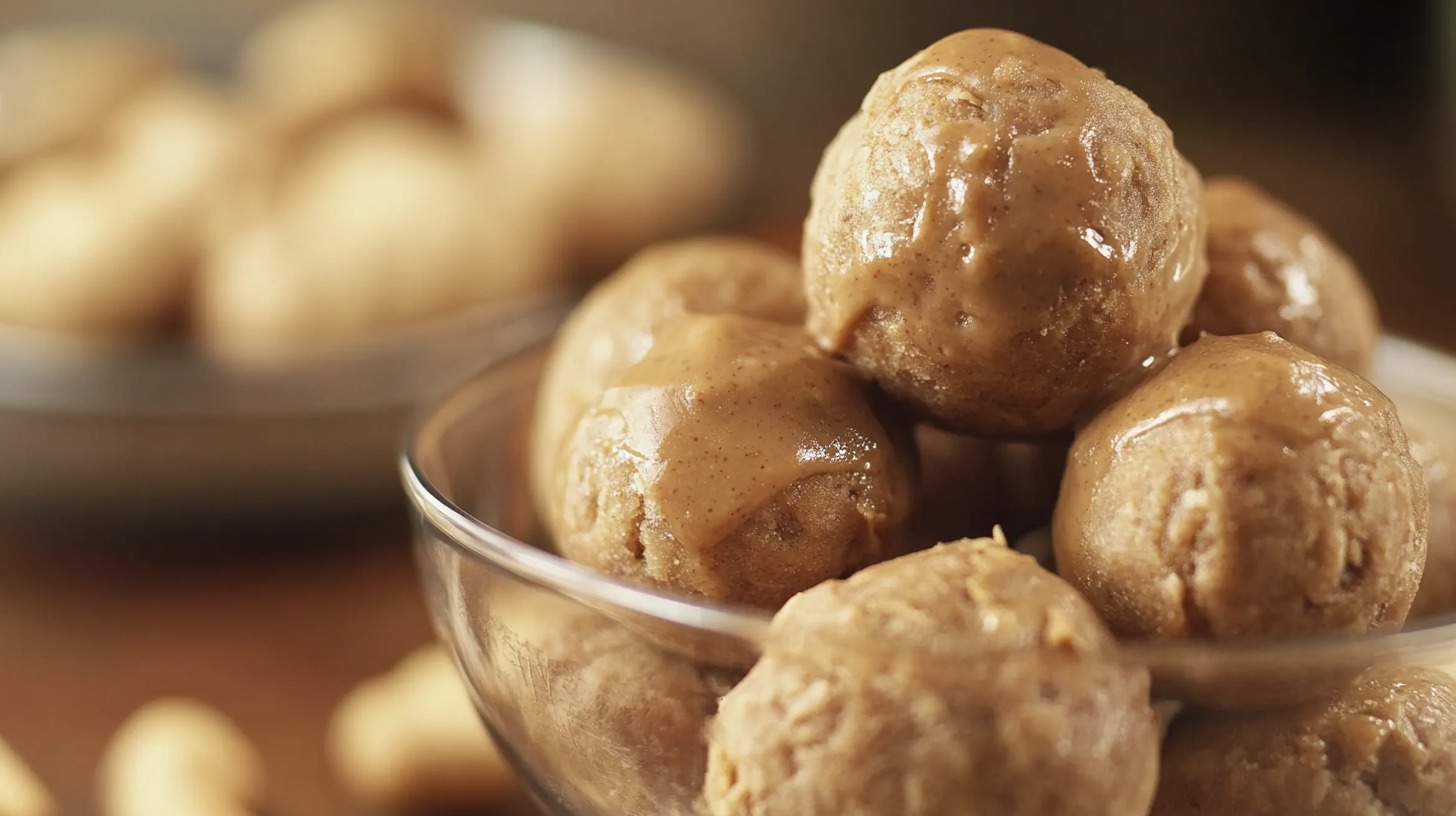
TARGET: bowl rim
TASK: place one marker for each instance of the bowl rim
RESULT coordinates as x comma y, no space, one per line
391,368
483,542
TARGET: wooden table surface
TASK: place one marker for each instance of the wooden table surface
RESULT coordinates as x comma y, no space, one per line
273,630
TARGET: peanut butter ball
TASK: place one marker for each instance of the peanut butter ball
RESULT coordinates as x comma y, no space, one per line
964,679
324,58
1001,234
627,152
1271,269
1431,446
735,462
384,220
615,325
59,86
1385,745
611,723
1247,489
100,241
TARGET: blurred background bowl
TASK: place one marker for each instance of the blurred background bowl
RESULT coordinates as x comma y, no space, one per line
1349,114
169,434
599,689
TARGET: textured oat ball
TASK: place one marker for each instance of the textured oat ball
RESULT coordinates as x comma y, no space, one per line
59,86
958,680
612,724
627,152
1431,446
734,461
384,220
1000,234
324,58
1271,269
615,325
1385,745
1247,489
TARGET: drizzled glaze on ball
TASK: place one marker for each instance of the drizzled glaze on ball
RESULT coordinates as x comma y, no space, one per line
735,462
1000,233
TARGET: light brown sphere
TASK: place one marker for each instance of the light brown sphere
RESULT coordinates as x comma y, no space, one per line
627,151
1431,445
735,462
1000,234
614,327
1271,269
386,219
1247,489
101,239
969,485
60,86
958,680
1385,745
611,723
324,58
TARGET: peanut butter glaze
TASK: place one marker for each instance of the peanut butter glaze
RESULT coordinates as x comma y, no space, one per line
615,325
1431,445
734,461
999,232
1247,489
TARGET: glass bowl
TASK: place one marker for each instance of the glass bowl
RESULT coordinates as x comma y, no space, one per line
155,437
599,691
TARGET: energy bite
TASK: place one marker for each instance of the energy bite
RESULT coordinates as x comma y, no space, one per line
325,58
101,240
735,462
386,219
1437,593
1385,745
964,679
1000,235
1246,489
614,327
612,724
1271,269
59,86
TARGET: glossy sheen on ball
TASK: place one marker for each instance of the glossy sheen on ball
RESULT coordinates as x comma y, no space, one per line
1000,234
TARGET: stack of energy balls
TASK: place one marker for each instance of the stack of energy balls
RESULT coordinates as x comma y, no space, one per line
1018,304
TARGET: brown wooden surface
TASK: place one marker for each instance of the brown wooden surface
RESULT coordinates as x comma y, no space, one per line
271,629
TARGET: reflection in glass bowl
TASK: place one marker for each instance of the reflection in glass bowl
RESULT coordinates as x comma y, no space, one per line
599,690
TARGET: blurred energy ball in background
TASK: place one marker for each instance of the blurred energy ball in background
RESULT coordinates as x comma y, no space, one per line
230,241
